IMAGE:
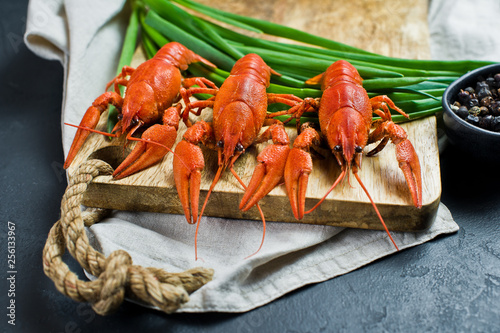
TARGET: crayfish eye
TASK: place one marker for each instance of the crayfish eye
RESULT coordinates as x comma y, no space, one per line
120,116
220,144
338,148
358,149
239,147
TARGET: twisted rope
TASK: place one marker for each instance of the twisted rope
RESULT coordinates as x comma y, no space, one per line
116,276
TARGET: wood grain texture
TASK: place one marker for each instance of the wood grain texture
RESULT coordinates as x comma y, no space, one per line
391,28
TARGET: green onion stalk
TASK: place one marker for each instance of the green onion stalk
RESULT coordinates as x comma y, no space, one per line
415,85
127,53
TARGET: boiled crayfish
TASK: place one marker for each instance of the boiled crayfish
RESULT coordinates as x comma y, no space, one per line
239,112
151,90
345,117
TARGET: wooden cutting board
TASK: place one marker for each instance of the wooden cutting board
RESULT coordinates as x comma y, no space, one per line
390,27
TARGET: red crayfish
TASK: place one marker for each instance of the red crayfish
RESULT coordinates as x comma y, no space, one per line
151,89
345,118
239,112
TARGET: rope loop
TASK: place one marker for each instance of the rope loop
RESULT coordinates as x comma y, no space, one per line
117,277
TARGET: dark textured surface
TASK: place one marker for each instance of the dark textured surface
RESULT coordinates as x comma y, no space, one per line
450,284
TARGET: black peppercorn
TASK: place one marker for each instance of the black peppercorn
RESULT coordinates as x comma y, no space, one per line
464,97
495,124
483,111
481,85
486,121
480,106
482,90
470,90
483,93
487,101
475,111
495,109
494,93
462,112
490,81
471,119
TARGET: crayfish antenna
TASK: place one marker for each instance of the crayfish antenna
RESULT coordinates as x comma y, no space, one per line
263,232
339,179
117,135
93,130
221,168
376,209
260,212
214,182
129,137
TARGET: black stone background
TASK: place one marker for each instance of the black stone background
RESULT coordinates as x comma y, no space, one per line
451,284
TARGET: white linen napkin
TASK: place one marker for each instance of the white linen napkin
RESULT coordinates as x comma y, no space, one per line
86,37
464,29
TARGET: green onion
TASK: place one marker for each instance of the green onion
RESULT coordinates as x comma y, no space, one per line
127,53
269,27
197,69
219,41
315,64
331,55
415,85
191,42
149,45
416,115
299,92
387,83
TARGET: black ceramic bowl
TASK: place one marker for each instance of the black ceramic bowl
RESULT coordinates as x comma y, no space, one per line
475,141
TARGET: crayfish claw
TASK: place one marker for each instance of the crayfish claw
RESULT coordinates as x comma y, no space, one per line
154,144
187,165
297,170
89,120
410,165
267,174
